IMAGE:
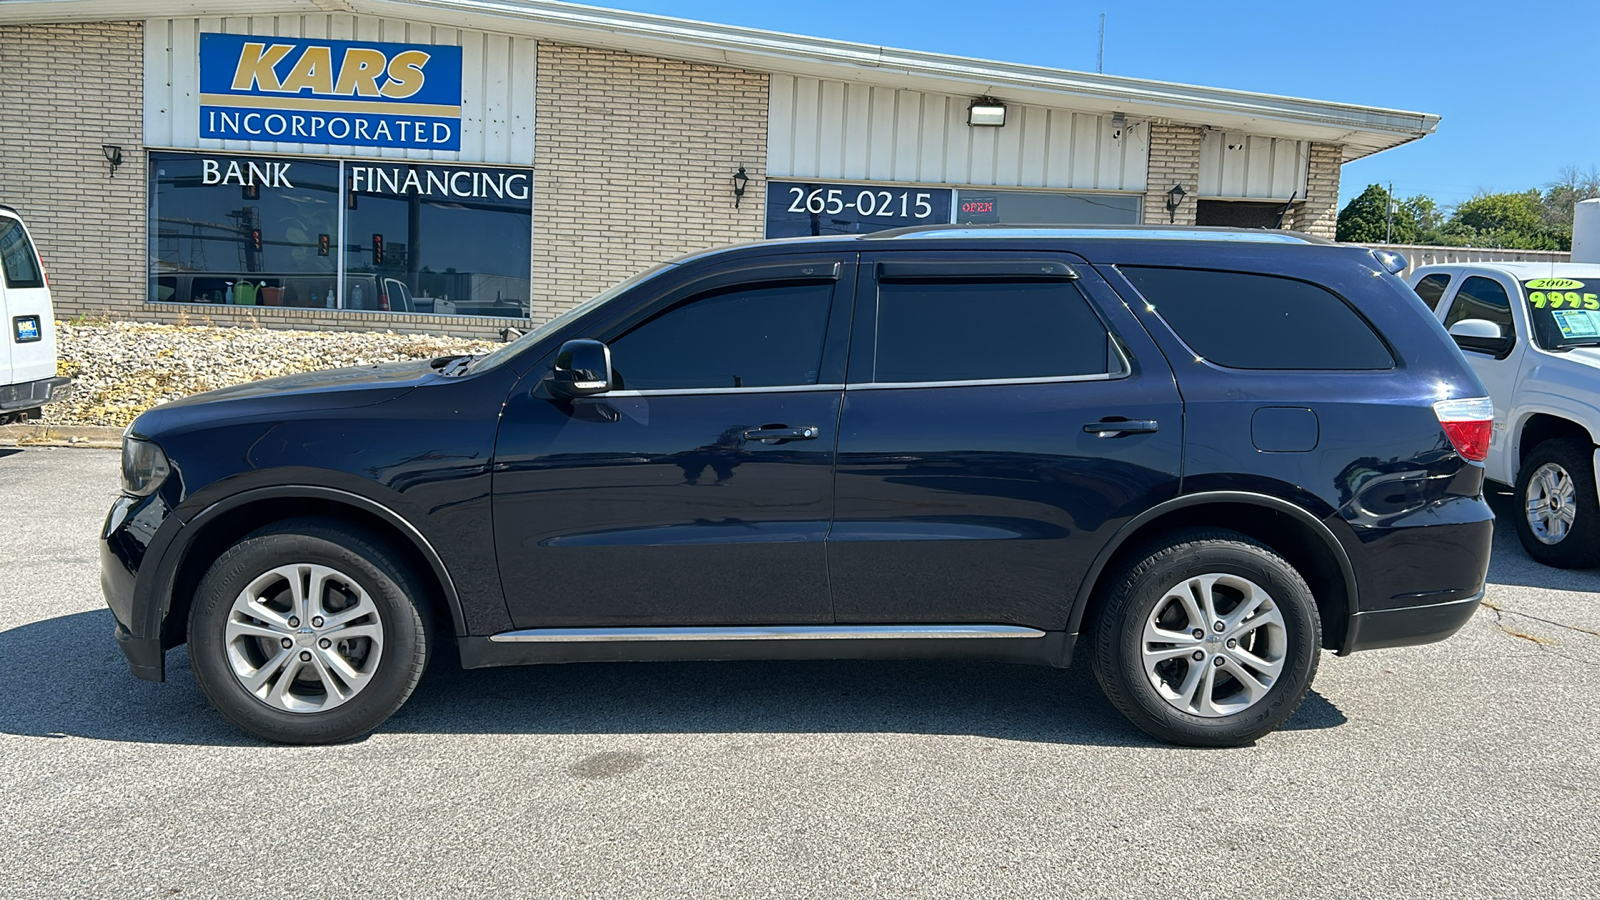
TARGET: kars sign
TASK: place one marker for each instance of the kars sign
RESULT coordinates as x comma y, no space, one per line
313,91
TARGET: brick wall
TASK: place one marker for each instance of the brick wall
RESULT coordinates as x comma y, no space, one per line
1319,214
1174,159
633,164
64,91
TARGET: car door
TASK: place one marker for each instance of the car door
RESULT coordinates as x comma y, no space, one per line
999,426
1485,298
698,491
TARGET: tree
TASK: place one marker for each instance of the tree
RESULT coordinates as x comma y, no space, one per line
1365,219
1514,220
1570,186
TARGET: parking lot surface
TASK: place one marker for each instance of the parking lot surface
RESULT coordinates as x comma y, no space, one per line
1469,768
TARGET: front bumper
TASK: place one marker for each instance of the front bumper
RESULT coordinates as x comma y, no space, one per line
33,394
124,542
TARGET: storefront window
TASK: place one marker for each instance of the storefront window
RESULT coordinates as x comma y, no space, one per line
264,231
982,207
438,239
243,230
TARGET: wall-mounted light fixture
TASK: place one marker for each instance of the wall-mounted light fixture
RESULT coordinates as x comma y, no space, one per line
986,112
1119,124
1174,200
113,155
740,179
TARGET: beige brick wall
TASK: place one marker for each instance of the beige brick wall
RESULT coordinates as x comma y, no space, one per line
64,91
1319,213
1174,159
633,164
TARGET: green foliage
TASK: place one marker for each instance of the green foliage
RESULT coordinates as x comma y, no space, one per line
1529,220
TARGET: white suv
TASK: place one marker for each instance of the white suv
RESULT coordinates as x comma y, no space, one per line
1532,333
28,351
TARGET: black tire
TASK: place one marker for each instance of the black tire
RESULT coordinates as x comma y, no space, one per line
1580,547
394,593
1141,586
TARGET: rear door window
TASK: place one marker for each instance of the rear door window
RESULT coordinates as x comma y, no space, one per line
17,259
1431,288
1244,320
938,331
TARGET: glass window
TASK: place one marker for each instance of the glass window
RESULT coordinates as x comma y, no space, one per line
1249,321
1481,298
1564,312
963,331
1431,288
984,207
243,230
21,264
746,336
449,240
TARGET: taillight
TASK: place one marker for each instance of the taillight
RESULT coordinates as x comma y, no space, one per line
1468,424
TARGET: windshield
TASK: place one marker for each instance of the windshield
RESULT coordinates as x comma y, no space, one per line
500,354
1565,312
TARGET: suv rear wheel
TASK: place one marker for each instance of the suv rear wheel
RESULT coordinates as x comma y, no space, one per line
1559,521
307,633
1208,639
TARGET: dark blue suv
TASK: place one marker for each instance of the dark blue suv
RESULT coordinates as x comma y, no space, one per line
1196,458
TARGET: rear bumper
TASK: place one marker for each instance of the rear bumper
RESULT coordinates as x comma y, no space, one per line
31,394
1409,625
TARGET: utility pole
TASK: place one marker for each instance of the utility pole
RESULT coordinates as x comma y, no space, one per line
1390,208
1100,57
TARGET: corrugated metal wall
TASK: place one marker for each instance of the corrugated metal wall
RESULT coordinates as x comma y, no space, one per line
1249,166
832,129
497,90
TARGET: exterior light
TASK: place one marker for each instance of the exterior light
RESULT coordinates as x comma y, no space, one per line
113,155
740,179
1119,124
986,112
1174,200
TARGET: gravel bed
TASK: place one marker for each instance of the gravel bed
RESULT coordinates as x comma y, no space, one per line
120,369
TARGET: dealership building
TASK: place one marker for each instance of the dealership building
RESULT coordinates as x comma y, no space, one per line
468,166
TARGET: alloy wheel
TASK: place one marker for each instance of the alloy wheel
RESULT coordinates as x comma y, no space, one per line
304,638
1551,503
1214,645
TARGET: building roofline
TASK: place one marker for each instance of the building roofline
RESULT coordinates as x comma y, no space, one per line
1361,130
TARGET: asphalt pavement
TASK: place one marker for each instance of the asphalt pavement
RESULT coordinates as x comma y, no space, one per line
1469,768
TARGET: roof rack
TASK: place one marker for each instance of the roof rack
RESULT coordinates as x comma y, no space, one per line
1123,232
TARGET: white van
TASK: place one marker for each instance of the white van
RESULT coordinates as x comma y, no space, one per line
28,350
1532,333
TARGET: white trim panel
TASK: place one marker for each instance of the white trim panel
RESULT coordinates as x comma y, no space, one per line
819,128
1251,166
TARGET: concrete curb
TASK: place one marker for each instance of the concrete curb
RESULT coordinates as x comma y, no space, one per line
35,434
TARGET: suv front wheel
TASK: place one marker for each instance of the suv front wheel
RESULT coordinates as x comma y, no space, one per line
306,632
1559,519
1208,639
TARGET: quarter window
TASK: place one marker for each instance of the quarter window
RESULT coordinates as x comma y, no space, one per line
1248,321
1431,288
766,335
961,331
17,257
1482,298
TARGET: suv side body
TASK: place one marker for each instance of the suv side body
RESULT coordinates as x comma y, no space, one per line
887,501
1544,396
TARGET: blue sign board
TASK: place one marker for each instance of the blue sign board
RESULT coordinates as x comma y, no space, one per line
314,91
799,209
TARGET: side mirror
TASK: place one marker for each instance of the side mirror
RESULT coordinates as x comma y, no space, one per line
1476,328
1482,336
583,367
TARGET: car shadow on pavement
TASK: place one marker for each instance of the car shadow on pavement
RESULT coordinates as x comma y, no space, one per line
55,687
1510,564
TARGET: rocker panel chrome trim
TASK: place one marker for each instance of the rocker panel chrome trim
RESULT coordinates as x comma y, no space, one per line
765,633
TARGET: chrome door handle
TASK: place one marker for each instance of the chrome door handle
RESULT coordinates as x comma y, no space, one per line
779,434
1110,428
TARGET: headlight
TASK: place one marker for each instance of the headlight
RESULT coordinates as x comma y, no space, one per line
144,467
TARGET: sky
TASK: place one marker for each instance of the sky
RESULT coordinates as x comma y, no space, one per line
1515,82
